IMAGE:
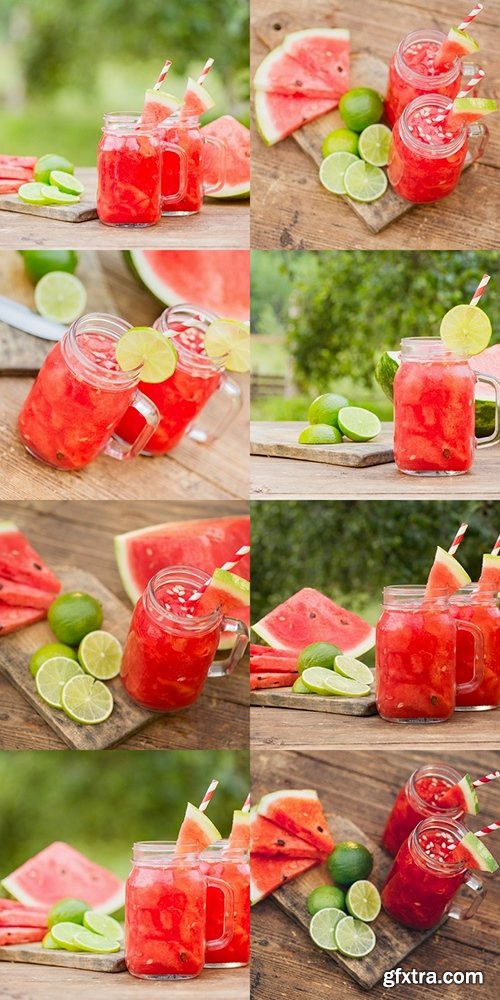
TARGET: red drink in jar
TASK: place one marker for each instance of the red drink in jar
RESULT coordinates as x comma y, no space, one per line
418,799
482,610
232,866
186,133
128,173
413,72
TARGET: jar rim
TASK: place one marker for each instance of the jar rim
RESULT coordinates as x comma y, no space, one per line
198,317
443,825
151,852
420,79
431,346
178,575
438,770
222,850
106,325
436,151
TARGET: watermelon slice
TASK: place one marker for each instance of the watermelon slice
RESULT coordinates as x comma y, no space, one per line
196,833
239,838
282,74
157,107
267,874
59,871
20,562
300,813
278,115
13,618
10,187
22,916
271,840
21,935
489,581
205,544
236,139
324,53
217,281
462,796
446,573
229,592
196,99
472,851
308,616
22,596
458,44
467,110
272,660
261,680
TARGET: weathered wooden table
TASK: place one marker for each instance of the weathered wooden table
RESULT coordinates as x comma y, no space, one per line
362,787
192,471
291,210
221,225
82,534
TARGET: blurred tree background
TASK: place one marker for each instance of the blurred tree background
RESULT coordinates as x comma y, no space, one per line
62,65
322,319
101,802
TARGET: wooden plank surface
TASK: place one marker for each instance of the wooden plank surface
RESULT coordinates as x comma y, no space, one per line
34,954
30,982
286,698
192,471
83,534
82,211
280,440
221,225
362,788
292,211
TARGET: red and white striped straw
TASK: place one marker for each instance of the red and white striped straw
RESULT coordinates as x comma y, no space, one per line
205,71
166,67
496,548
246,805
208,795
487,829
227,567
481,288
487,777
470,17
471,83
457,539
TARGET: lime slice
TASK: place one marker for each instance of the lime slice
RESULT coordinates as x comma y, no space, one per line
320,434
466,330
87,941
49,162
363,182
298,687
363,900
359,424
52,676
100,923
47,652
60,296
341,140
322,927
86,700
143,346
66,182
361,107
229,339
315,679
100,654
53,196
347,666
325,897
345,686
332,171
64,934
32,194
374,145
353,938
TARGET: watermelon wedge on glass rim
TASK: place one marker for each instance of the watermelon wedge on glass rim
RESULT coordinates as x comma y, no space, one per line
446,574
462,797
157,107
489,581
474,853
239,838
196,833
268,874
300,812
309,616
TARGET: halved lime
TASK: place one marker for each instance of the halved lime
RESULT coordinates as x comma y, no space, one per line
322,927
53,196
87,941
100,654
60,296
52,676
66,182
50,942
348,666
324,897
363,900
320,434
73,615
333,169
100,923
146,347
315,679
230,340
359,424
64,934
340,140
47,652
298,687
466,330
86,700
40,262
325,408
32,194
49,162
365,183
361,107
317,654
67,910
374,145
353,938
344,686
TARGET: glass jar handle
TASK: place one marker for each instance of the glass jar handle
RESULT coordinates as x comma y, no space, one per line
228,925
493,438
459,910
232,627
221,165
117,448
477,140
183,173
478,666
232,392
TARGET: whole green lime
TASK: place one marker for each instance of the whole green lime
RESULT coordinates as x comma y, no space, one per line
341,140
325,896
325,409
361,107
69,909
320,434
318,654
47,652
349,862
40,262
72,616
49,162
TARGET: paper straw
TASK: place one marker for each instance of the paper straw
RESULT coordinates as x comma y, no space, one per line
205,71
166,67
486,778
470,17
208,794
227,567
457,539
471,83
487,829
481,288
246,805
496,548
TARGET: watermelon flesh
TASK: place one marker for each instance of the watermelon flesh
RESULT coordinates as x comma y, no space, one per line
308,616
278,115
282,74
219,282
239,838
446,574
21,935
196,99
228,592
474,854
13,618
272,660
60,871
261,680
271,840
20,562
197,832
20,595
489,581
236,140
462,796
157,107
324,53
299,812
22,916
268,874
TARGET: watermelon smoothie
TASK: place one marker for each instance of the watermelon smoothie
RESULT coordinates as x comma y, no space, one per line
172,643
185,132
417,799
80,395
128,173
232,866
413,72
482,610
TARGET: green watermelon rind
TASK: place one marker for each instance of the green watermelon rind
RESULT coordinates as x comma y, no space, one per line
459,575
483,858
469,794
128,583
490,568
157,286
233,585
204,101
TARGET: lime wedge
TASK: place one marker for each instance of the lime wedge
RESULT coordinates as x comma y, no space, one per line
100,654
359,424
363,182
64,934
347,666
60,296
466,330
320,434
354,938
143,346
32,194
322,927
315,679
332,171
86,700
87,941
52,676
298,687
374,145
344,686
66,182
363,900
230,340
100,923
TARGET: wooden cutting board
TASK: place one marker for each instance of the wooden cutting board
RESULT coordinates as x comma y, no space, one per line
34,954
394,942
81,211
285,698
21,353
280,440
15,650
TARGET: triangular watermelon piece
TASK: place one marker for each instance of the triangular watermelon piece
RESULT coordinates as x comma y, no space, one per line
239,838
21,935
323,53
446,574
263,659
268,874
22,596
299,812
59,871
278,115
282,74
262,680
309,616
23,916
271,840
196,832
489,581
20,562
12,618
